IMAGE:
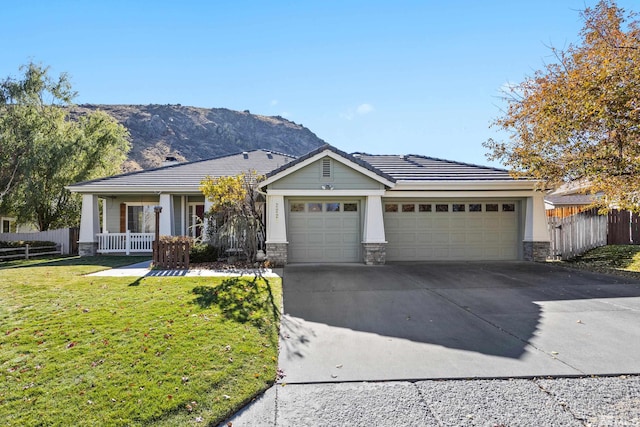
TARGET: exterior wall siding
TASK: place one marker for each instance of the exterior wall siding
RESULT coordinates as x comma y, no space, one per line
310,178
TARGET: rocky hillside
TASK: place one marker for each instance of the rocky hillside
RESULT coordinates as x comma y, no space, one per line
190,133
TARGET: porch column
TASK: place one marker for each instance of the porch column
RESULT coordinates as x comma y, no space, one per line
166,216
536,233
89,225
276,242
373,238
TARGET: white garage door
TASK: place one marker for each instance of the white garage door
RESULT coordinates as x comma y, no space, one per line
458,230
324,231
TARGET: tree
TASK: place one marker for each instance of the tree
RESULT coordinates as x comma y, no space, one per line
42,149
235,212
578,119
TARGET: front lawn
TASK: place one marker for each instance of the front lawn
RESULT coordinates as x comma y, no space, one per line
78,350
622,260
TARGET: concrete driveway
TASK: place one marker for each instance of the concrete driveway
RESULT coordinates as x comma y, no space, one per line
353,322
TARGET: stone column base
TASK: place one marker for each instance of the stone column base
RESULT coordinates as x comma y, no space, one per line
87,248
374,253
277,254
536,251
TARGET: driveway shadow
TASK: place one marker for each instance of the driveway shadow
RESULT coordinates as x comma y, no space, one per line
498,308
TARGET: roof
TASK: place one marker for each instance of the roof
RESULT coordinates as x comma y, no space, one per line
421,168
187,176
349,157
571,199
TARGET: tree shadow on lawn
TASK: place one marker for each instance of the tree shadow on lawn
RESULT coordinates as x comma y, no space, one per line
241,300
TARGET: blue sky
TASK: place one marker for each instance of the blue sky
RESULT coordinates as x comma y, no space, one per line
401,77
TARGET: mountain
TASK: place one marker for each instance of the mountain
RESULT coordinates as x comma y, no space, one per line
191,133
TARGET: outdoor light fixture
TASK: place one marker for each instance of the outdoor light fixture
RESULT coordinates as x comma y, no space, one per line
327,187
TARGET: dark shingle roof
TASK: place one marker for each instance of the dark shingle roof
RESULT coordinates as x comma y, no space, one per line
189,175
421,168
350,157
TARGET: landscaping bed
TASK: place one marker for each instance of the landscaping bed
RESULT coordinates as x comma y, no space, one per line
78,350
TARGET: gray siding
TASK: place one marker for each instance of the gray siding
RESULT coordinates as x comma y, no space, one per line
310,178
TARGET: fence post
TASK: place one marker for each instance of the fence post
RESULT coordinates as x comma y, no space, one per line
26,251
127,243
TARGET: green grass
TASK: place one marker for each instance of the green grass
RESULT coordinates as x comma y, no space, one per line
78,350
622,260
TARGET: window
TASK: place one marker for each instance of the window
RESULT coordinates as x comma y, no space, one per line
442,208
475,207
296,207
508,207
491,207
6,226
195,219
332,207
408,208
424,208
458,207
390,207
314,207
350,207
141,218
326,167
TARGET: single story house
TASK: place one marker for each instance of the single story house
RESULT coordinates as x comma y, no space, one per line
330,206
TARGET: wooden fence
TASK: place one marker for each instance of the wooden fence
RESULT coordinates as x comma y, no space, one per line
574,235
171,255
28,251
623,228
67,238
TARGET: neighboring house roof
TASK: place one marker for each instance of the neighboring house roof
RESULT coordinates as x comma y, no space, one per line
421,168
570,199
186,176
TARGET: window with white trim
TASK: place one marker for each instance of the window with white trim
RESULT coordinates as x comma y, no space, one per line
141,218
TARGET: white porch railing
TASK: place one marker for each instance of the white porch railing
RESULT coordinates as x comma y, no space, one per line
111,243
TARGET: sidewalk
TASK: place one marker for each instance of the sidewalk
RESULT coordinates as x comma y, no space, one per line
610,401
141,269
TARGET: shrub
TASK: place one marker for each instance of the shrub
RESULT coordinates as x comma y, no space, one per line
203,252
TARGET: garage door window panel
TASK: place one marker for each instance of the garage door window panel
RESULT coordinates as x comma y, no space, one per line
442,208
332,207
475,207
350,207
296,207
314,207
391,207
458,207
408,207
424,207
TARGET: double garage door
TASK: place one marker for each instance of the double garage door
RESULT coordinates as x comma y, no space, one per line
453,230
421,230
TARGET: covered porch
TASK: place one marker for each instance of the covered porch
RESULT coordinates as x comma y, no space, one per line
125,224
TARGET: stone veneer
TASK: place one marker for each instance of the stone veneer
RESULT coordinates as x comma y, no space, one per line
277,254
374,253
87,248
536,251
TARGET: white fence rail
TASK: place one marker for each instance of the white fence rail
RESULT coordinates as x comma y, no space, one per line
60,237
125,243
574,235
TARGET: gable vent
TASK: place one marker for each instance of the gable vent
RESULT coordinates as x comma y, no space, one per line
326,167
